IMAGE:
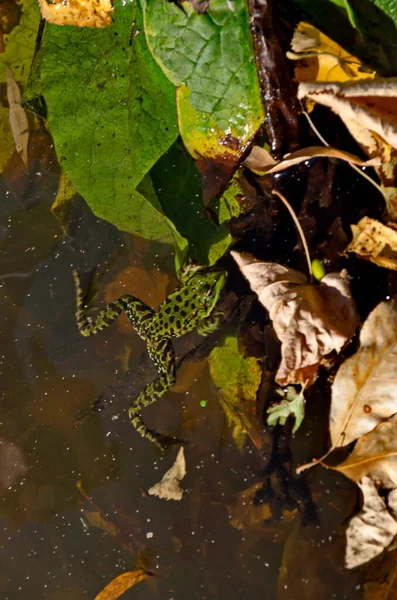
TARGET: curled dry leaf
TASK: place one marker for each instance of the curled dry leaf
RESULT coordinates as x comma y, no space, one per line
322,58
168,488
310,320
364,392
372,530
258,159
121,584
375,242
81,13
369,111
18,119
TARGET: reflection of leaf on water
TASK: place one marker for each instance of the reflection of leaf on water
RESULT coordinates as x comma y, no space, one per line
121,584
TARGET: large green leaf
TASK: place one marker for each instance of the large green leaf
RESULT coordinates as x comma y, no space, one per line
112,114
210,58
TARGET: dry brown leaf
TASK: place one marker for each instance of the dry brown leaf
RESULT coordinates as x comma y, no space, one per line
81,13
17,116
310,320
381,578
375,242
121,584
168,488
369,111
374,456
258,159
322,59
364,392
372,530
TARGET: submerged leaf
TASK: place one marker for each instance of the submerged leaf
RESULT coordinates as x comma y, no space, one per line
364,389
237,379
121,584
168,488
375,242
310,320
293,405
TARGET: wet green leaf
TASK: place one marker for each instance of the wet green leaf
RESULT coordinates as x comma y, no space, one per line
112,115
209,57
292,405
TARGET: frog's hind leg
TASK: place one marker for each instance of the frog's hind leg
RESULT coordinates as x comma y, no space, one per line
162,354
137,312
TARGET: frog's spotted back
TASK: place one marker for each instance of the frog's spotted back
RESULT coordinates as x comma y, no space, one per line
189,307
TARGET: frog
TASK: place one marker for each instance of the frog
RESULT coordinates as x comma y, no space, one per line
190,306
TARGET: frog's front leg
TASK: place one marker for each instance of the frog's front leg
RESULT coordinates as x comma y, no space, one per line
162,354
211,324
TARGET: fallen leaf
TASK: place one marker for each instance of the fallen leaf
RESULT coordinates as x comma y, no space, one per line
81,13
168,488
375,242
121,584
244,513
13,464
364,389
371,530
310,320
322,59
258,159
368,109
17,116
374,456
237,379
97,519
292,405
381,578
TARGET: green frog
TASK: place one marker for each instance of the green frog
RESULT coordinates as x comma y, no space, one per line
191,306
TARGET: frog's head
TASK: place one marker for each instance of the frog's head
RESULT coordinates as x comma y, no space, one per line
207,286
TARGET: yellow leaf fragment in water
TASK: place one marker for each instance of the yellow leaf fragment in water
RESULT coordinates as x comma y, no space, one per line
121,584
322,59
81,13
375,242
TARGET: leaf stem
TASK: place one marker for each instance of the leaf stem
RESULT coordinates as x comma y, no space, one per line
300,230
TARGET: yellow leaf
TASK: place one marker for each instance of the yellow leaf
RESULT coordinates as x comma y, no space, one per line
322,59
81,13
310,320
364,389
121,584
375,242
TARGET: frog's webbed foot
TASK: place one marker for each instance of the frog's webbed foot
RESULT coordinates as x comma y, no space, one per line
211,323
